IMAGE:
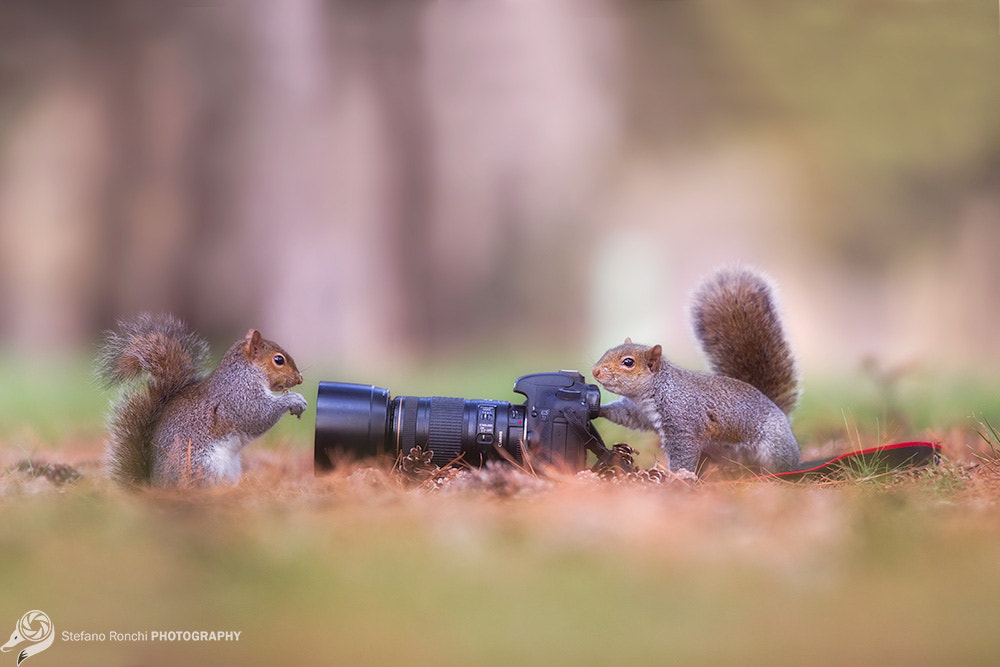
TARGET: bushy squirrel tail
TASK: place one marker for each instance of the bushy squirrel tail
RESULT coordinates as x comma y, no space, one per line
736,320
154,356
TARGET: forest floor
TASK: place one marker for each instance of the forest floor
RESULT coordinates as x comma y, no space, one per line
366,566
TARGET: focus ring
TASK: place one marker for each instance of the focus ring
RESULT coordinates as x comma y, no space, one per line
408,427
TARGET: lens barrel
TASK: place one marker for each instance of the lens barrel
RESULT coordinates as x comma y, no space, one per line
456,429
360,421
435,423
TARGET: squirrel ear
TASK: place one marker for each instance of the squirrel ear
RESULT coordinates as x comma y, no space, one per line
252,343
655,355
628,341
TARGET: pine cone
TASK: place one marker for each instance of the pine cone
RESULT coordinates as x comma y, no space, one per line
620,460
57,473
416,466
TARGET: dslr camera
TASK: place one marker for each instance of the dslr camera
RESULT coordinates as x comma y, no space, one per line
552,426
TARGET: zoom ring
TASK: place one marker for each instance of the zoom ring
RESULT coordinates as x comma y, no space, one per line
444,433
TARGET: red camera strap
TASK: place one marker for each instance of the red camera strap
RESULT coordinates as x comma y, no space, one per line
871,461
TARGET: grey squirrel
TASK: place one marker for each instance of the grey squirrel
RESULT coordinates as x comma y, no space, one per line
175,424
737,414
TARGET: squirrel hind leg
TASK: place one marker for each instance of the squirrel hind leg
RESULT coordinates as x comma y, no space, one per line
682,455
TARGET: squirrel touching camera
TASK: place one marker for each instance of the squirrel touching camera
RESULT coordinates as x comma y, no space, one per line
738,413
176,425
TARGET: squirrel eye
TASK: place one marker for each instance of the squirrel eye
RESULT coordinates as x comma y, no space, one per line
279,360
628,362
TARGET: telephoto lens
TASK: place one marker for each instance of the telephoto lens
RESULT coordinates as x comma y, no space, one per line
362,422
356,421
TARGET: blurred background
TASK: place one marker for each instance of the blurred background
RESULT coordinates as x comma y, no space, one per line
437,196
396,184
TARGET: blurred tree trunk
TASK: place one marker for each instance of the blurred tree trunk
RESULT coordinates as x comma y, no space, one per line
395,62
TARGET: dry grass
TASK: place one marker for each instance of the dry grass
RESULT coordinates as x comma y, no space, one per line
362,567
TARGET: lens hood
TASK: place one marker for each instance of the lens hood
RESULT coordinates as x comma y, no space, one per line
351,419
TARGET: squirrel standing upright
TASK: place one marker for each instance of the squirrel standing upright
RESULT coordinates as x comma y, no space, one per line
180,425
738,413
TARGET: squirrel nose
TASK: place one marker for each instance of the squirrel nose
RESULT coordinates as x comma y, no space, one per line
596,372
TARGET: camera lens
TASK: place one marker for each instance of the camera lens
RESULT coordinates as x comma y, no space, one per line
361,422
432,422
456,429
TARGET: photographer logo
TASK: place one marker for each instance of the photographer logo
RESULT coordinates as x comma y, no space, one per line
35,627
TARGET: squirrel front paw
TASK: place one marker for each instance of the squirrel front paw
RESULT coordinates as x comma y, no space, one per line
297,404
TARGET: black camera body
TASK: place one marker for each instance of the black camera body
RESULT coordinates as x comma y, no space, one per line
551,427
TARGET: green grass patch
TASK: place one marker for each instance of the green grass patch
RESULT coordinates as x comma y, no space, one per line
831,408
45,401
52,401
